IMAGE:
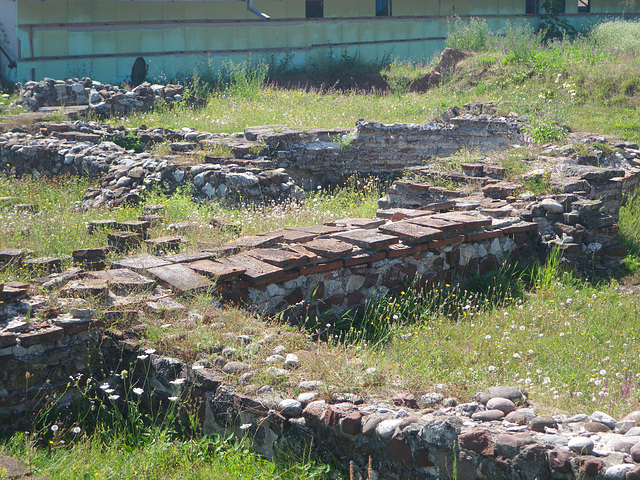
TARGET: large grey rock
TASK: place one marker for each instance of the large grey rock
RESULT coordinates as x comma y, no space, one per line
618,472
290,408
602,417
386,428
429,399
581,445
503,404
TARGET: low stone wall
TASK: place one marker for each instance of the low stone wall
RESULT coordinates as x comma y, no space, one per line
38,359
101,99
386,151
88,149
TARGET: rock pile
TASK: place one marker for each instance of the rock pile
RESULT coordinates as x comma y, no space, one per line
102,99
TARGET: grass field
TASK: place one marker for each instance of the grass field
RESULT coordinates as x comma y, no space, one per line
571,343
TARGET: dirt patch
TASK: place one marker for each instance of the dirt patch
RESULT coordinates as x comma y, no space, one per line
449,59
369,82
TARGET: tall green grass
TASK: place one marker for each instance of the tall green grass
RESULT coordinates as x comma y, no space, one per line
590,83
618,36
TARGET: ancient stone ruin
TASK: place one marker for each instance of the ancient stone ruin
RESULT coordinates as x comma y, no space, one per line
433,225
101,99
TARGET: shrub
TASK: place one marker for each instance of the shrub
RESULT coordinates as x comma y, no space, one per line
619,35
472,35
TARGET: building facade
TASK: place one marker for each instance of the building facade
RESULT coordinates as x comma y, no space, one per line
102,38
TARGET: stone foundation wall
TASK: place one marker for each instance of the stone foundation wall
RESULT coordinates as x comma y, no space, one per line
387,150
88,149
38,360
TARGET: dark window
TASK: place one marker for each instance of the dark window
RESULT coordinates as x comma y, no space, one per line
383,8
584,6
532,6
315,8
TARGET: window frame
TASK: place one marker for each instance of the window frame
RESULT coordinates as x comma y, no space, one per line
314,9
384,8
584,6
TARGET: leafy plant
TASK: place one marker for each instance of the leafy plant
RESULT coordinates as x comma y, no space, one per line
545,131
553,25
471,35
130,141
244,79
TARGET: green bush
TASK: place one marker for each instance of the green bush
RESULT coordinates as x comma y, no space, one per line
619,35
472,35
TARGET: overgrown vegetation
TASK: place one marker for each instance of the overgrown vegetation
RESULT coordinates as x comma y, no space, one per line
571,343
590,83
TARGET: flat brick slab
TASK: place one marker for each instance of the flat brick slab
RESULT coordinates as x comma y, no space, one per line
43,335
294,236
476,237
255,241
301,250
368,239
139,226
96,225
396,214
439,206
140,263
85,288
410,232
124,239
280,258
366,223
329,248
165,243
446,226
256,270
10,294
181,279
520,228
189,257
90,253
467,219
48,264
216,270
122,279
317,230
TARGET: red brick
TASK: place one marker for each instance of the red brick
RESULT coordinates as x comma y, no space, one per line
256,270
329,248
283,278
367,239
323,267
446,241
285,259
520,227
468,220
411,233
366,223
216,270
366,258
476,237
44,335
